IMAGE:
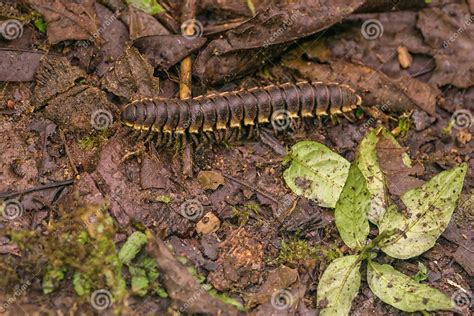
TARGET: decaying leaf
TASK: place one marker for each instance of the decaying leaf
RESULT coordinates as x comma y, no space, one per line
403,292
351,210
91,108
142,24
115,36
339,286
429,211
57,87
209,223
16,66
450,34
280,278
369,167
396,165
69,20
55,76
210,180
131,76
164,51
266,35
316,172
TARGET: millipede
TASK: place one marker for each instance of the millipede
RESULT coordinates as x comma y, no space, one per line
236,114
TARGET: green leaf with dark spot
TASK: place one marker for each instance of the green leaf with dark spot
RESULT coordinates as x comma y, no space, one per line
132,247
429,208
351,210
402,292
339,286
368,164
316,172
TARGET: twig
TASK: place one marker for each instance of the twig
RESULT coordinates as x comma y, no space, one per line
188,13
68,153
268,196
6,195
459,244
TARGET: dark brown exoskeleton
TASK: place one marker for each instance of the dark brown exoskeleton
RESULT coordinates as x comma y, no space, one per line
237,114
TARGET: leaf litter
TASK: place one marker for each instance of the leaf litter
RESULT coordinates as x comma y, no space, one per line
139,193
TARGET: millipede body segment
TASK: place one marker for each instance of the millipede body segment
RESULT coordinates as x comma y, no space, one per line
236,114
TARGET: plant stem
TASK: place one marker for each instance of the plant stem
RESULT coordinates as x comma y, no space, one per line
377,241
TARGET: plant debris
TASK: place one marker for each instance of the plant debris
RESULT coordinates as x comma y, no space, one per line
324,209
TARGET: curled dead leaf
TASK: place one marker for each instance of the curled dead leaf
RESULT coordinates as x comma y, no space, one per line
210,180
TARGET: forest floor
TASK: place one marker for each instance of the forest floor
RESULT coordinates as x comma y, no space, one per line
83,186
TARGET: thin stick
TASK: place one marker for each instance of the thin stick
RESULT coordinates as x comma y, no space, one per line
188,13
6,195
68,153
253,188
185,80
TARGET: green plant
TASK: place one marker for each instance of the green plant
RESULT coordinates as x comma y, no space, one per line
243,215
80,243
149,6
363,198
294,251
422,273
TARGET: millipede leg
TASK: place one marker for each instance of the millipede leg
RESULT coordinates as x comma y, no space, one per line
251,132
144,134
136,133
194,138
350,116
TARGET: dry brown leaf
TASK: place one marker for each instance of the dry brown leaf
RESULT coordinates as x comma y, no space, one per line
142,24
18,66
398,175
450,34
54,76
278,279
131,76
209,223
69,20
210,180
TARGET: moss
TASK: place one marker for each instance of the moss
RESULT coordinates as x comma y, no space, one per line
165,198
209,288
295,251
332,253
404,125
88,142
243,214
93,140
79,245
